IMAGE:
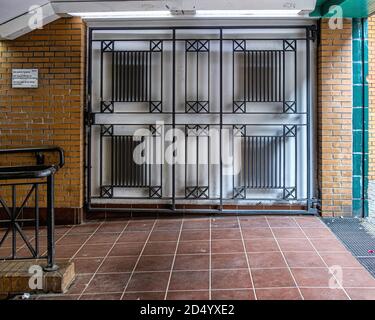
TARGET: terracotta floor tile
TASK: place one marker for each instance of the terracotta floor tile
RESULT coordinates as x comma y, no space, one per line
357,278
310,223
312,277
157,248
112,227
84,228
189,280
343,259
257,233
102,238
288,233
58,229
148,281
107,296
229,261
66,251
79,284
295,245
73,239
278,294
230,279
255,222
144,295
227,246
154,263
134,236
224,223
126,249
170,235
86,265
187,235
140,225
191,262
328,245
226,234
187,295
103,283
232,294
266,260
304,259
193,247
361,293
196,224
269,278
118,264
261,245
5,252
61,253
95,250
319,233
323,294
167,225
284,222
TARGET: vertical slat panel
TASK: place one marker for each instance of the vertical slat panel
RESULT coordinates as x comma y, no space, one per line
126,172
264,163
264,75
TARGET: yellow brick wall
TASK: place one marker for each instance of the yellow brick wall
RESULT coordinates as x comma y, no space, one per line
335,119
53,113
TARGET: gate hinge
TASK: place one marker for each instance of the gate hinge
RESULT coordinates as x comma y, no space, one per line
312,33
89,118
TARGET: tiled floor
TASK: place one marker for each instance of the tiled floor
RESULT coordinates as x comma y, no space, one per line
259,257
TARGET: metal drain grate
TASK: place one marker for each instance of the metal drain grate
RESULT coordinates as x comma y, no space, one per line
369,264
357,236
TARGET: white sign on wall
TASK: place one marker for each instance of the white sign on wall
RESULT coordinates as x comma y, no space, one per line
24,78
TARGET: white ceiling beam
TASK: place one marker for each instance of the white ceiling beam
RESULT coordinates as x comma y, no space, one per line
160,5
24,24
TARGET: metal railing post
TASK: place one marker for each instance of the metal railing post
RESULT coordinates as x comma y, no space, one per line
51,266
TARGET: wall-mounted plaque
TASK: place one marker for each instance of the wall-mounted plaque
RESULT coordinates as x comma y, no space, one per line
24,78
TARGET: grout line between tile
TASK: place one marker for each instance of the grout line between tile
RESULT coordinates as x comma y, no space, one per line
318,253
210,264
247,261
79,249
174,259
139,257
101,263
286,262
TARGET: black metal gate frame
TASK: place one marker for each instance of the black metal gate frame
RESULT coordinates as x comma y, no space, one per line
197,46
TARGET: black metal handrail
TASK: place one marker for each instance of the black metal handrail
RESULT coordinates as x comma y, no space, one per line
40,170
38,151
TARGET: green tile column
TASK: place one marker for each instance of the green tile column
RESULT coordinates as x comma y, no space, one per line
360,117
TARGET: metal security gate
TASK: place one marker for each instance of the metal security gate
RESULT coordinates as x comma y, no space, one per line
213,116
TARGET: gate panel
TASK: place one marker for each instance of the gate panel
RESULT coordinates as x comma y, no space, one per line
188,115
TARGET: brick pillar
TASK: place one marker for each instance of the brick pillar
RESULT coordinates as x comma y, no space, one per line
52,113
335,119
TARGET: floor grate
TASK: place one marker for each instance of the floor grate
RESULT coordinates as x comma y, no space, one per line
358,236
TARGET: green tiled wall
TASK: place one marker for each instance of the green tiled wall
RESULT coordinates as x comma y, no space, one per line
360,117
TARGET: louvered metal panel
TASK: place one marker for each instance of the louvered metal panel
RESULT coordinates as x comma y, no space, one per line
264,75
263,162
125,171
131,73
